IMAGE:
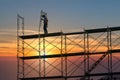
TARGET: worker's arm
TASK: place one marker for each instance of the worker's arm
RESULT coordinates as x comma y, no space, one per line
42,18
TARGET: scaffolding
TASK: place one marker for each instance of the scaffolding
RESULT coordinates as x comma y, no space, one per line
92,54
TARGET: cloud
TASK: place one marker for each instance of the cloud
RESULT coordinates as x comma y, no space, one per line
30,32
7,51
5,41
6,31
5,47
7,36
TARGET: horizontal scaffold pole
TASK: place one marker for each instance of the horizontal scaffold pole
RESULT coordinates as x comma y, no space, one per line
68,55
90,31
60,77
41,35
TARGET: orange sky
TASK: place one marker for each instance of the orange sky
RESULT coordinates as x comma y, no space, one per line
7,49
9,46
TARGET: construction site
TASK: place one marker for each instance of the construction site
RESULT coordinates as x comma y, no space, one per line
91,54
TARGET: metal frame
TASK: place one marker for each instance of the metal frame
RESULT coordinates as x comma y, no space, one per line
58,58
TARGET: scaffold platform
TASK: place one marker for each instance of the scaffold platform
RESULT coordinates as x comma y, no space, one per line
68,55
62,77
41,35
73,33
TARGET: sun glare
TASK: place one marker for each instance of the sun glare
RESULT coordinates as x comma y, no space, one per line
42,54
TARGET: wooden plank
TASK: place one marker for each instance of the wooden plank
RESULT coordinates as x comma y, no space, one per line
73,33
41,35
47,77
102,29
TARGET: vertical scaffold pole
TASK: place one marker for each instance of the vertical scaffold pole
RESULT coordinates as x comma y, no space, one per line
88,54
44,53
109,44
39,44
18,34
111,55
40,73
84,54
17,47
108,52
65,58
61,54
23,45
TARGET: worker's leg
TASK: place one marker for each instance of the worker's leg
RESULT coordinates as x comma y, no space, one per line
45,29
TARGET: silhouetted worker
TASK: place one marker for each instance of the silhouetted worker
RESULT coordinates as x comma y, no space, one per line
45,20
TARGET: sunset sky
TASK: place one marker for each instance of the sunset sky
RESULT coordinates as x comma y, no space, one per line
65,15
